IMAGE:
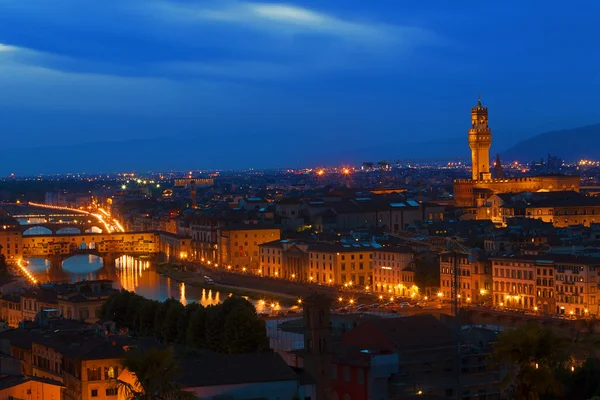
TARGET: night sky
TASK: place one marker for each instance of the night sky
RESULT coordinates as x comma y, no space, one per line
300,76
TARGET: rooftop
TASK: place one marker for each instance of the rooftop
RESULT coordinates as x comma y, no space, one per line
213,369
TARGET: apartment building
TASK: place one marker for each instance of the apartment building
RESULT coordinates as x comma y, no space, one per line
394,271
474,276
550,283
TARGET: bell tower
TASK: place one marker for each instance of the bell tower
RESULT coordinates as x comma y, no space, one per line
317,342
480,140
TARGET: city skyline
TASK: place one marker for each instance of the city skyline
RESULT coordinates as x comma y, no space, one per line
356,79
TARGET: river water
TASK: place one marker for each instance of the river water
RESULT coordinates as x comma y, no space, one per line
132,274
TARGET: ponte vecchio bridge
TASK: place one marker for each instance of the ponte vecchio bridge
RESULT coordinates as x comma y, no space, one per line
109,246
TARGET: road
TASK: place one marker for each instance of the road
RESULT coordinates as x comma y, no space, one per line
110,224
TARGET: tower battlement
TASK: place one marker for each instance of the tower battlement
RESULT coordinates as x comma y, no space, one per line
480,141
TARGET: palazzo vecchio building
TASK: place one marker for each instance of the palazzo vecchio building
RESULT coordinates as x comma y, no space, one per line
474,192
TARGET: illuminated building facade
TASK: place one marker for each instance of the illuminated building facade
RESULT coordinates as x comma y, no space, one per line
475,191
475,277
394,271
480,140
561,209
10,244
317,262
553,283
238,246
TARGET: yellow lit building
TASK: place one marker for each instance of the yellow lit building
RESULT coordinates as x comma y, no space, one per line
317,262
474,275
550,283
561,209
238,246
10,244
340,264
394,271
10,310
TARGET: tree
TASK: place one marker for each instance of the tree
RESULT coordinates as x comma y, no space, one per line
196,329
583,383
154,372
184,321
133,312
175,312
146,316
239,332
3,266
160,317
214,329
532,356
116,307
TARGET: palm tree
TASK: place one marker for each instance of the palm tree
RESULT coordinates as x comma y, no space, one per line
531,356
153,374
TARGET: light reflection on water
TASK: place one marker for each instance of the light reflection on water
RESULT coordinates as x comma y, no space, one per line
130,273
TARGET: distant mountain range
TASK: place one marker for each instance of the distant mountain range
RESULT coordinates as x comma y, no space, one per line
220,152
568,144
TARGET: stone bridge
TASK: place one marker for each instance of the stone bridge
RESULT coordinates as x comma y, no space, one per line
48,228
109,246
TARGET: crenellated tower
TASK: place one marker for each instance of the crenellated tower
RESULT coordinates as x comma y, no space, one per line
480,140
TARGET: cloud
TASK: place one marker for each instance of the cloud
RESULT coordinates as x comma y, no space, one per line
218,40
6,48
282,18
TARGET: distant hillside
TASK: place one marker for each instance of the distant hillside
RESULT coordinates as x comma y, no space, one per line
569,144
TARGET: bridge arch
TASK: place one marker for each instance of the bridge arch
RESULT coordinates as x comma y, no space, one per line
37,230
68,230
86,246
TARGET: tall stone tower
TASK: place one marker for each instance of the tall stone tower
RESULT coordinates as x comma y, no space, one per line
317,342
480,140
498,168
193,192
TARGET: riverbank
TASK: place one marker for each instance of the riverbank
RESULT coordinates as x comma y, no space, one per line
282,286
179,273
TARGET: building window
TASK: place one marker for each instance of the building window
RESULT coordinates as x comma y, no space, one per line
94,374
334,372
112,391
361,376
347,374
111,372
94,393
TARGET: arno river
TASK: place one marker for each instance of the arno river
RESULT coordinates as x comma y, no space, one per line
130,273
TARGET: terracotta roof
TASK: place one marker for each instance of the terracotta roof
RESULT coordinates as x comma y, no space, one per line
228,369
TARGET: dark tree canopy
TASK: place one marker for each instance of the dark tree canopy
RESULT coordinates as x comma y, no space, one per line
229,327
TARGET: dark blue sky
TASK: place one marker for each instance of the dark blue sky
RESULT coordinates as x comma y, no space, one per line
297,75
